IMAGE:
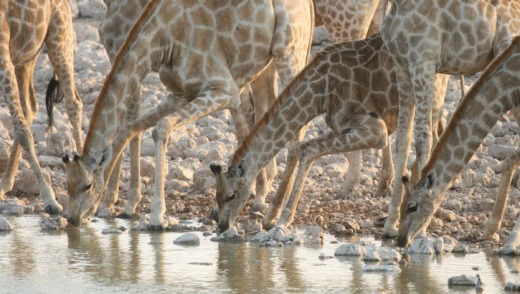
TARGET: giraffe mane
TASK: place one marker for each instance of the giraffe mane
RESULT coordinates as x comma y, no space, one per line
132,36
488,72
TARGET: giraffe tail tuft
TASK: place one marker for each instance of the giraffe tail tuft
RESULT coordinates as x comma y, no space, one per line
53,95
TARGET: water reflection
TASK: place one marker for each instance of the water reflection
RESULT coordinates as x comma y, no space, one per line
86,259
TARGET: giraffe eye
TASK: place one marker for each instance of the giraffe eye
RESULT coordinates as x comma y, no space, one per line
231,197
412,208
87,187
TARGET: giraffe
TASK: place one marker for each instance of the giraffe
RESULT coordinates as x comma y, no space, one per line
26,26
493,95
354,85
350,21
427,37
118,21
201,62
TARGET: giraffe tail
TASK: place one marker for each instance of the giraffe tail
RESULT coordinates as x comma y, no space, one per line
53,95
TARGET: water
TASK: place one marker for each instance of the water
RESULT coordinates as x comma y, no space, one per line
86,261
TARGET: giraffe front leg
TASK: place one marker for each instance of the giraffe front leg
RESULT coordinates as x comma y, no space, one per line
160,134
134,191
370,132
494,222
403,144
384,187
106,207
7,182
353,173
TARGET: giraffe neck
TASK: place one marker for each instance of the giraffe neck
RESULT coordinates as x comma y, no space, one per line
495,93
295,107
131,64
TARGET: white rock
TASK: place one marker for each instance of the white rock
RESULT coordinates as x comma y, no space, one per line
350,249
189,239
422,246
230,234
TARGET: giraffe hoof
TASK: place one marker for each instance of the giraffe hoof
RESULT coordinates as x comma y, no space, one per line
259,207
53,209
267,225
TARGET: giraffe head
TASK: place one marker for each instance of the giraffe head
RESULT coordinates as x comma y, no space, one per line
84,187
232,194
417,208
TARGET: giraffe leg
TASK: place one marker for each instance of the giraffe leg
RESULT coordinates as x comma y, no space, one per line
60,49
9,87
264,91
403,144
106,208
494,222
181,114
387,172
353,173
371,133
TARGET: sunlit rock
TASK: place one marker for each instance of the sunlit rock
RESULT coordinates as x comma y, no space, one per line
189,239
230,234
378,253
350,249
422,246
53,223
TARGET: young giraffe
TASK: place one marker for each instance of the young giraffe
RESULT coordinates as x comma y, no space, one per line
119,19
350,21
425,37
207,51
354,85
495,93
26,26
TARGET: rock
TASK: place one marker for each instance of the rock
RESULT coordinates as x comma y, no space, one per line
189,239
512,287
53,223
313,235
230,234
352,224
180,173
350,249
91,9
459,248
278,234
385,268
500,152
422,246
5,225
462,280
112,231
